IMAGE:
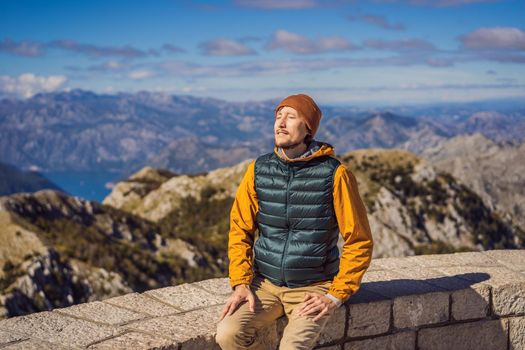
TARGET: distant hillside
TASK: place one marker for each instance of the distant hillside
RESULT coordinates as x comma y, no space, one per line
494,170
417,209
186,134
413,208
13,180
382,130
59,250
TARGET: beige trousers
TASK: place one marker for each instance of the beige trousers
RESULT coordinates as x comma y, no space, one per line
239,330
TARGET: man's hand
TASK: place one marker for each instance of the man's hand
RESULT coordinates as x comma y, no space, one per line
315,302
242,293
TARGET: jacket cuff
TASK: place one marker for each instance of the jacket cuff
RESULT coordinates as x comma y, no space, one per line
235,284
337,301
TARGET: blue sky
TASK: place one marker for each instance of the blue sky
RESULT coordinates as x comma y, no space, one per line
339,52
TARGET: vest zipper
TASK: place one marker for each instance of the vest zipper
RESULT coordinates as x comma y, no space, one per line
290,176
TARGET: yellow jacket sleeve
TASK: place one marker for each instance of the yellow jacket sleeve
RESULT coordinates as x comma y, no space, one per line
242,229
355,229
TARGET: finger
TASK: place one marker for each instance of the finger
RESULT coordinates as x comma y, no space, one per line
323,311
225,310
233,306
315,305
305,304
306,298
309,309
251,303
313,300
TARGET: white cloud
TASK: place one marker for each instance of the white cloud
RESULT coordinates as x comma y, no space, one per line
225,47
99,51
377,20
140,74
28,84
308,4
437,3
22,48
278,4
405,44
282,39
494,38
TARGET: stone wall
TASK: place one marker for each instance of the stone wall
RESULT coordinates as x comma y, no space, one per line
473,300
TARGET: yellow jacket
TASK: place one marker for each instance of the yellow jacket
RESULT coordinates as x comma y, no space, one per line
351,218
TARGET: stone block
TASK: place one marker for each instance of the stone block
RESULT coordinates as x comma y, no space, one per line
142,303
513,259
219,285
58,328
367,319
470,303
335,328
436,260
411,305
186,297
421,309
391,284
365,295
467,301
509,299
134,340
508,286
37,344
389,263
485,334
471,258
397,341
189,329
10,337
517,333
100,312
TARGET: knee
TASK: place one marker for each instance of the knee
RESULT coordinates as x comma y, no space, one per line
232,335
225,333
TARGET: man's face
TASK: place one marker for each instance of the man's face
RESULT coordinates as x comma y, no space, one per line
289,129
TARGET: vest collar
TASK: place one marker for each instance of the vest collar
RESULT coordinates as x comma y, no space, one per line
315,149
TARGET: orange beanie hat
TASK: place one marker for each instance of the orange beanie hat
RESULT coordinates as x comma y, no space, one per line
307,109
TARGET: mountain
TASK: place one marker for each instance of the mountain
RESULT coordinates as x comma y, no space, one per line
123,130
383,130
83,131
494,170
58,250
500,127
13,180
413,208
160,228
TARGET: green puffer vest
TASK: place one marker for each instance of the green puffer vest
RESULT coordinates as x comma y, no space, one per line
298,230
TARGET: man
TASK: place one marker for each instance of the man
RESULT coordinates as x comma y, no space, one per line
300,197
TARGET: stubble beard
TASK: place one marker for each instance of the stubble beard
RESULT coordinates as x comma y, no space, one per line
289,145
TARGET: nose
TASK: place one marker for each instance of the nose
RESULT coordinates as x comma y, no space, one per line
282,121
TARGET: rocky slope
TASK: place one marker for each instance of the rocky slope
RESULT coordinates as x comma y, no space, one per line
413,208
494,170
60,250
416,209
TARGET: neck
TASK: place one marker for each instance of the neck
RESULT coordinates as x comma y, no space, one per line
294,151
